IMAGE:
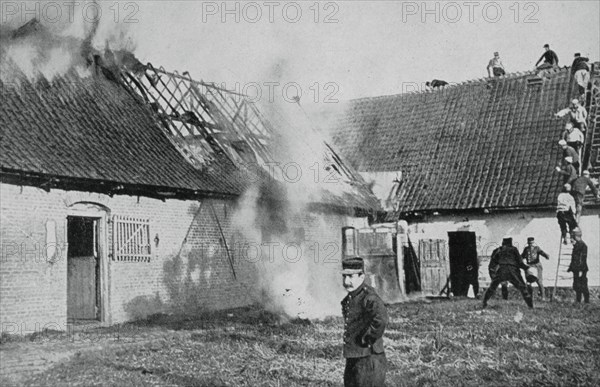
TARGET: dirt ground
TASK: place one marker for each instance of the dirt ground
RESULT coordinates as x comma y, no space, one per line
428,343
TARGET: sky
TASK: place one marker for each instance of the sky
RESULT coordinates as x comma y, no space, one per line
366,48
333,50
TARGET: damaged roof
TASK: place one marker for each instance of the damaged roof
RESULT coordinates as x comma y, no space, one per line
486,144
111,124
89,128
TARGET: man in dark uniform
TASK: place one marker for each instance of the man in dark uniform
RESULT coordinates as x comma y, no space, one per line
504,266
579,267
549,58
365,318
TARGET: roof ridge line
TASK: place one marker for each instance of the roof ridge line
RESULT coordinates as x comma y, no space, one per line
472,81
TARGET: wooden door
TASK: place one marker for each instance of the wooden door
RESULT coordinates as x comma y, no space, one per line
377,247
434,265
81,288
82,269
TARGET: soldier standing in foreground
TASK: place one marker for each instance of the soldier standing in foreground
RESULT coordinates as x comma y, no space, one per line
579,267
365,318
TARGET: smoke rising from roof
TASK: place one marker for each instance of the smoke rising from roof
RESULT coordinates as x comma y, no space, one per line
294,277
299,265
48,42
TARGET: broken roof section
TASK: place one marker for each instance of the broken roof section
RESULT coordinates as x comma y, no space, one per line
206,121
90,132
115,124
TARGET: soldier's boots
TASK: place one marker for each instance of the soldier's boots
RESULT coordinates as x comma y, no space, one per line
530,290
486,297
505,292
529,302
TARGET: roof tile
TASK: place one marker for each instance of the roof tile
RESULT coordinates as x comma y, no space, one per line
481,144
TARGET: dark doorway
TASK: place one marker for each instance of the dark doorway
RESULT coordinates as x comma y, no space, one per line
83,269
464,270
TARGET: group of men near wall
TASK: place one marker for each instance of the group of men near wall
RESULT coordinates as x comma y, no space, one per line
365,315
506,263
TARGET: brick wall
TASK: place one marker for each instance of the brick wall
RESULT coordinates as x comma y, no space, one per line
32,291
189,269
182,276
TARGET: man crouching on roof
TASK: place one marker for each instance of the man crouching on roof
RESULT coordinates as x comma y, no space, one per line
365,318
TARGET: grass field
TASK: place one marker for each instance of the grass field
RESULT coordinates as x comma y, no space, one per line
440,343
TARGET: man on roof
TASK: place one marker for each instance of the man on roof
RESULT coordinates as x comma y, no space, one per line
573,136
568,151
496,65
579,186
435,84
581,72
577,115
568,170
549,58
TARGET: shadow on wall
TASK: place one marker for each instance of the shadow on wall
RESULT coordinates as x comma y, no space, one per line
142,306
191,282
186,285
184,293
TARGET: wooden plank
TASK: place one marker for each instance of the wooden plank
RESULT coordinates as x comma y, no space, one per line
434,264
81,288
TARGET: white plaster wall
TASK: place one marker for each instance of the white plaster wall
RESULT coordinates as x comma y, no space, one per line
491,228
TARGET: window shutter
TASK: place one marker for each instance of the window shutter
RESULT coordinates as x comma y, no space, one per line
131,239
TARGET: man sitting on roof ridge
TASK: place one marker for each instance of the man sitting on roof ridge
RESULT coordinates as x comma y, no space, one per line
549,58
496,65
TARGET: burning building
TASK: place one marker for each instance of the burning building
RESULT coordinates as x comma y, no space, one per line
128,190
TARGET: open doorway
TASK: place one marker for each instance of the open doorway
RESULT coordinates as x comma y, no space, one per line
83,269
464,269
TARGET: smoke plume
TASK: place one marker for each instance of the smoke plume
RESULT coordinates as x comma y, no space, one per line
48,42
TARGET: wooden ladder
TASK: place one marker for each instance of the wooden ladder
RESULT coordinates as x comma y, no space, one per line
564,259
591,148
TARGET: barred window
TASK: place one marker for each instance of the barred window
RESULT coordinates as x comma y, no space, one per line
131,239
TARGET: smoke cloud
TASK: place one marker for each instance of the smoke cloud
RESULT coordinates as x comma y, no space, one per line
299,249
300,257
47,39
